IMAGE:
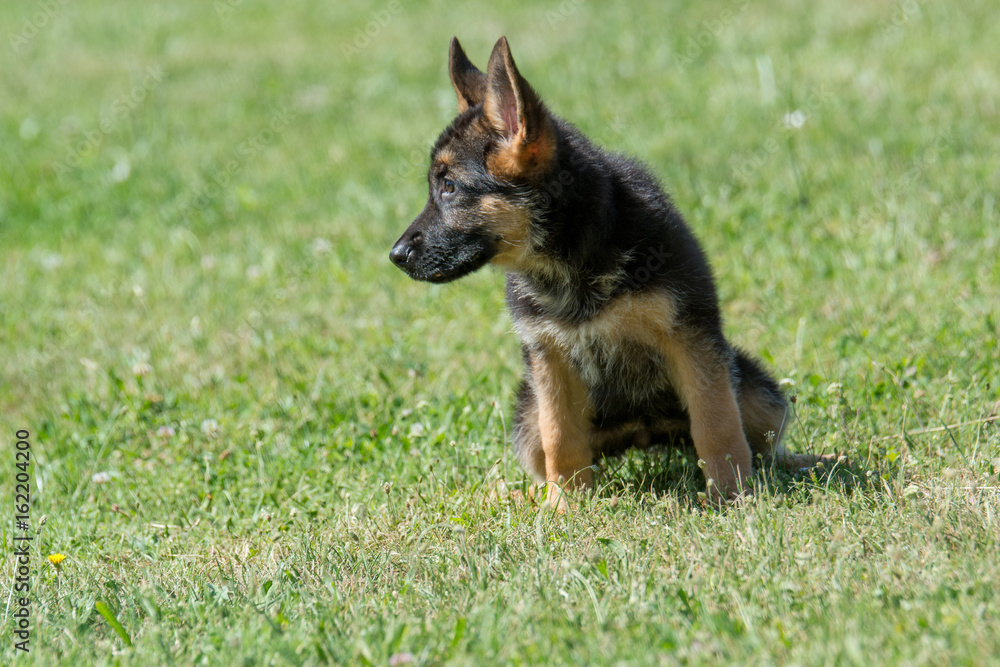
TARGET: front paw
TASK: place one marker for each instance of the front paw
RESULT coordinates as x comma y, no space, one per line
557,498
559,491
724,481
717,497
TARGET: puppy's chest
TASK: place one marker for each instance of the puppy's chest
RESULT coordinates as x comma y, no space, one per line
617,364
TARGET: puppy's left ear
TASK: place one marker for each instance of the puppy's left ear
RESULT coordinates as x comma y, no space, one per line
468,81
516,112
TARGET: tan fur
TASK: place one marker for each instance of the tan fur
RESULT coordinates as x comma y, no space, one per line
563,423
644,317
444,159
511,224
463,102
705,386
701,378
529,144
521,158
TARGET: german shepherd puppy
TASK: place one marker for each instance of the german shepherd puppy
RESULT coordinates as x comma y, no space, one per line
610,292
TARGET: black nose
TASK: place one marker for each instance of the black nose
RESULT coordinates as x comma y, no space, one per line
403,251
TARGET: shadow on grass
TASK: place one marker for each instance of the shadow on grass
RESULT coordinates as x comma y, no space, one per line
674,471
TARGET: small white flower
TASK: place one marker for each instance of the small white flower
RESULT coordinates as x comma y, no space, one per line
795,119
50,261
786,382
100,477
833,388
29,129
210,428
321,246
311,98
120,172
165,432
416,430
141,369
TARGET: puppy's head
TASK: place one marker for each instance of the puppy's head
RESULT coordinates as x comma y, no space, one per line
483,166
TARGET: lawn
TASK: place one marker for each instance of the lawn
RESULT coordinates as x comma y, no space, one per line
255,441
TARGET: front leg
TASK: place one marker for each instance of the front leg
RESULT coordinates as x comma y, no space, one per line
563,412
703,379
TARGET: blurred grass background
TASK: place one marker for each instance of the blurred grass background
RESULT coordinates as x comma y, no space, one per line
196,206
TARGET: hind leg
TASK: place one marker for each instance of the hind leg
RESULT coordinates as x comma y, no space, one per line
765,417
762,407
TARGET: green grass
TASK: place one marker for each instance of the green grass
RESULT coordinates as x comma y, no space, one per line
303,448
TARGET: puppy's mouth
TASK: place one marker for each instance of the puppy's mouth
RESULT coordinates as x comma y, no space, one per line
436,262
440,277
453,268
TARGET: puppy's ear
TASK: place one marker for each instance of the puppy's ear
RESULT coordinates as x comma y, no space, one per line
469,82
517,114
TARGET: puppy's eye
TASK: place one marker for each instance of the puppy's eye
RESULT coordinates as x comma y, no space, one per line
448,186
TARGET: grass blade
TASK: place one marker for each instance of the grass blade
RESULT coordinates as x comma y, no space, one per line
109,616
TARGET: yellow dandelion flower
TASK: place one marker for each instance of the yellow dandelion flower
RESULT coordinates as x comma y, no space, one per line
55,559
